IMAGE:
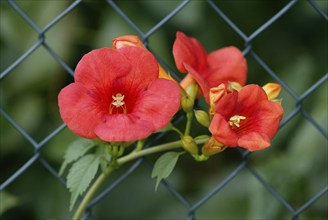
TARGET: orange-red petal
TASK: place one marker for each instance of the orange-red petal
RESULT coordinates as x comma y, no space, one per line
188,50
79,110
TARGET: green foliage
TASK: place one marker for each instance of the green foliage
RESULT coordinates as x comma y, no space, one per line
164,166
81,175
76,150
8,201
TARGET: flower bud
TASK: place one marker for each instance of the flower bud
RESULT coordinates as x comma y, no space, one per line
127,40
192,90
187,103
272,90
187,80
189,144
188,99
212,147
202,117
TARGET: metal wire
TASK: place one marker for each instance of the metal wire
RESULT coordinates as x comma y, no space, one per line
191,208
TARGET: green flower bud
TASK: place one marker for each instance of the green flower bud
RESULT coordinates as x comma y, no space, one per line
192,90
189,144
202,117
187,103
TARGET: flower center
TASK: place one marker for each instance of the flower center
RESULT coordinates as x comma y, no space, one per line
118,104
235,120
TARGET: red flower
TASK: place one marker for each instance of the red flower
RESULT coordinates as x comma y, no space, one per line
209,70
246,119
117,96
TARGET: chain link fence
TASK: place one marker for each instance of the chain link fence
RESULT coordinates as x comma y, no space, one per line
191,208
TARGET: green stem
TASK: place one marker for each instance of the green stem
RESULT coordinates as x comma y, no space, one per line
140,145
189,122
89,195
177,131
147,151
132,156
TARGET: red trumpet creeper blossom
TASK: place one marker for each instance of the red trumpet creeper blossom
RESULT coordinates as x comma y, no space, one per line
209,70
246,119
117,96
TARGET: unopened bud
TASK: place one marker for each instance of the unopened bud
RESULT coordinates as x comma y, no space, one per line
187,103
126,41
202,117
212,147
192,90
272,90
189,144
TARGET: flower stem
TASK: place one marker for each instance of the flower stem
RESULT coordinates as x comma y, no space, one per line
90,193
132,156
189,116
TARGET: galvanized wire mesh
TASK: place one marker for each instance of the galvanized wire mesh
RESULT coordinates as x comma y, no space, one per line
244,165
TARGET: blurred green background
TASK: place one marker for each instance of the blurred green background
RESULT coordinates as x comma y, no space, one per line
295,47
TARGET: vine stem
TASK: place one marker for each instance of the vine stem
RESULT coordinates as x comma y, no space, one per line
189,117
132,156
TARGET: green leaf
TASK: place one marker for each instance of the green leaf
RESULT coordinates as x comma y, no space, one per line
164,166
80,176
76,150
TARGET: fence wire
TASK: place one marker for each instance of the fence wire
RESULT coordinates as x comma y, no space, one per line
245,165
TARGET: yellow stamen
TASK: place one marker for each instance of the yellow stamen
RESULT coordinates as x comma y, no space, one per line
235,120
118,101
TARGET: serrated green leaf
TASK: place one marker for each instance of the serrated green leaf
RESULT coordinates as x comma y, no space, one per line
76,150
80,176
164,166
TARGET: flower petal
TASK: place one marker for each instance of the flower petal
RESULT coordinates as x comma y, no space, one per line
124,127
106,68
227,105
187,50
79,110
226,64
200,80
254,141
270,117
263,115
99,68
158,103
222,131
250,95
144,67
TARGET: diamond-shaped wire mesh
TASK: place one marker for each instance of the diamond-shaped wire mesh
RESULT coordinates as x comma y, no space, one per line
283,41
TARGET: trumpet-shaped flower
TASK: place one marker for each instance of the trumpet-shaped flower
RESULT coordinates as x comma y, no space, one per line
117,96
209,70
246,118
